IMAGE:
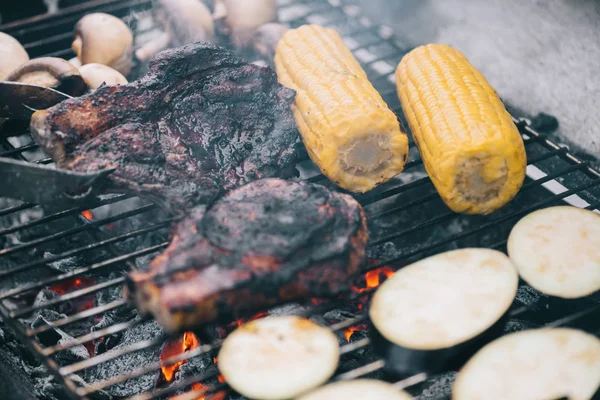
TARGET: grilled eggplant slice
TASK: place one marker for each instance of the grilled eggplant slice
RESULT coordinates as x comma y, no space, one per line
557,251
360,389
278,357
433,315
534,364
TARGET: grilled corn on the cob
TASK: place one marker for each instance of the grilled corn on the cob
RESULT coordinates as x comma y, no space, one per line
470,146
347,128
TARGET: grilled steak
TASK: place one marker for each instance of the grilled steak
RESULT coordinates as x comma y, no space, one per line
201,121
265,243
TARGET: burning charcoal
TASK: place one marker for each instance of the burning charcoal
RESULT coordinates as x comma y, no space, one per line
130,362
356,358
64,265
287,309
516,325
195,366
112,317
57,336
437,387
100,395
46,295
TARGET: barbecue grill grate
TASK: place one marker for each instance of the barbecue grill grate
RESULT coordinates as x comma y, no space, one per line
409,219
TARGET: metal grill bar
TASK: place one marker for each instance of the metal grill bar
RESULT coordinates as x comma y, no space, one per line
69,232
89,247
111,330
67,297
58,215
464,234
92,312
81,271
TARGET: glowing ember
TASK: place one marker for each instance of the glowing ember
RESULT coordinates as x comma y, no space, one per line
173,348
199,386
350,331
373,279
224,330
87,214
316,301
221,378
71,285
241,321
80,303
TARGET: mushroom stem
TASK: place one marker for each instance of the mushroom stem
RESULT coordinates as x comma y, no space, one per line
156,45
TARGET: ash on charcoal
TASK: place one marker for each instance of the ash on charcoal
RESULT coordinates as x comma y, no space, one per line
195,366
112,317
517,325
45,295
287,309
127,363
64,265
528,296
438,387
57,336
387,251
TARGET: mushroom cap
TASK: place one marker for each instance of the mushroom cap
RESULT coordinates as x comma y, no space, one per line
51,72
189,20
245,16
12,55
266,38
95,75
104,39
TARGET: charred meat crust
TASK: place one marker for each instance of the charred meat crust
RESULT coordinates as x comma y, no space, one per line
265,243
200,122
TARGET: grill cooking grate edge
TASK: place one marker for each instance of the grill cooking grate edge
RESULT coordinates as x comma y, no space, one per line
554,177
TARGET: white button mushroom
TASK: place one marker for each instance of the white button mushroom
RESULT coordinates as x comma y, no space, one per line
104,39
12,55
184,21
266,38
51,72
95,75
245,16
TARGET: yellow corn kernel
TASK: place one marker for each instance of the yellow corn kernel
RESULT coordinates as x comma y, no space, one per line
348,130
470,146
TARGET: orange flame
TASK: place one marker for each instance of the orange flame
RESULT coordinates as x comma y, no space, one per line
173,348
373,279
241,321
350,331
221,378
199,386
87,214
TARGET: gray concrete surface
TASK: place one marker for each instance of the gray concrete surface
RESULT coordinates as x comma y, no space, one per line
540,55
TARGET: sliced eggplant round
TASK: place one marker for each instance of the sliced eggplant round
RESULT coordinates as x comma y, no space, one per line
535,364
431,316
557,251
278,357
360,389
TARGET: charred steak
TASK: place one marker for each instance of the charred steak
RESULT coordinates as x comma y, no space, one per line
265,243
200,122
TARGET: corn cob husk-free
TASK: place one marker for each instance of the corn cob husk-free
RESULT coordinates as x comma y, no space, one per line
470,146
347,128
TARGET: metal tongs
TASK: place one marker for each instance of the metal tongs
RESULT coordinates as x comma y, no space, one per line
35,183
